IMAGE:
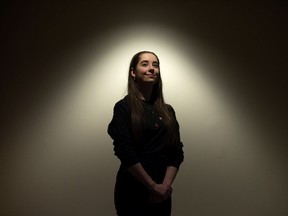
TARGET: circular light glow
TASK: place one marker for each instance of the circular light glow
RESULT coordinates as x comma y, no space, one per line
88,99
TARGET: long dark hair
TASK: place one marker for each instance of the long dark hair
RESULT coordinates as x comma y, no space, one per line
136,103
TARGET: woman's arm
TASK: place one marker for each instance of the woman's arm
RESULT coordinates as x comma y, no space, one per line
139,173
119,130
170,175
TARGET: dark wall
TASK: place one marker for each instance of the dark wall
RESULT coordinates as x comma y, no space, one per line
40,38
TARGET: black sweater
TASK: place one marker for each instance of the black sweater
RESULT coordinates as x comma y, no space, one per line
152,152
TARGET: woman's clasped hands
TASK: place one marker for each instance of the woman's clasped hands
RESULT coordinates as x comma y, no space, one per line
160,192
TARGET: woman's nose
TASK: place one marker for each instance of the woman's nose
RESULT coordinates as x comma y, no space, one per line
151,69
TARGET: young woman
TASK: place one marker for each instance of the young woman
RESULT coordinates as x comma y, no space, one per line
147,142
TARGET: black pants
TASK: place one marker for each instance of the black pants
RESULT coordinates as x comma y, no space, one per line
131,198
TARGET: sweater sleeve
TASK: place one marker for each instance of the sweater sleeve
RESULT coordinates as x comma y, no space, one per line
176,153
119,130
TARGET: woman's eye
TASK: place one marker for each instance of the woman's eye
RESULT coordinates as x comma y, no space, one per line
147,64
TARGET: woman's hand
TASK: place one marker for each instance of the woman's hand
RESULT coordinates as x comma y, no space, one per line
160,192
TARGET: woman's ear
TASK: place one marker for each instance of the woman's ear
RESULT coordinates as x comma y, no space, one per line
133,74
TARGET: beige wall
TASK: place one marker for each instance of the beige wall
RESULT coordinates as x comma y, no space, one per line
65,66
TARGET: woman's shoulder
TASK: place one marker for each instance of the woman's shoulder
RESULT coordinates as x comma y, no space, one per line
171,110
170,107
123,103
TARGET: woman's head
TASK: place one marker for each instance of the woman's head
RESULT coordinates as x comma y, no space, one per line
145,69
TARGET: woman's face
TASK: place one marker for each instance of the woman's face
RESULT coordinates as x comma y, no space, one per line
147,69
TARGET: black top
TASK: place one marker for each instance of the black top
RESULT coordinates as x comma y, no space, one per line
152,152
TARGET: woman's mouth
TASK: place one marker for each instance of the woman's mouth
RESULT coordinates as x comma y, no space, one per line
151,75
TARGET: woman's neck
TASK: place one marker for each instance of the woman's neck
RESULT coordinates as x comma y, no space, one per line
146,91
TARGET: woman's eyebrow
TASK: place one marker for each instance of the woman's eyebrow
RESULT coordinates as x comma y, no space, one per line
146,61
